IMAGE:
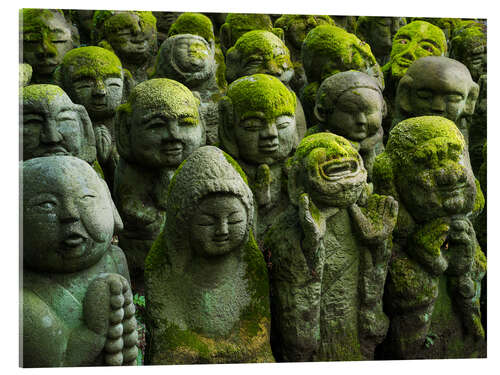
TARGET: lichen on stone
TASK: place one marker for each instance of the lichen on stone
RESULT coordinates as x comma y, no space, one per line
193,23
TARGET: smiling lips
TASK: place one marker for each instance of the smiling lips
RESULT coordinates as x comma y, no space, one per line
174,148
73,246
268,148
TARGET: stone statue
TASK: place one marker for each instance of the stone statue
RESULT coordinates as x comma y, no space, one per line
412,41
207,290
46,36
437,86
328,50
348,23
189,59
77,307
329,253
295,28
447,25
238,24
351,104
83,19
378,32
25,73
163,22
131,35
262,52
155,131
434,281
51,124
199,24
258,129
94,78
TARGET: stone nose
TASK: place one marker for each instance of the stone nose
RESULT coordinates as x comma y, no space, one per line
69,212
99,89
222,228
50,134
46,49
270,131
438,104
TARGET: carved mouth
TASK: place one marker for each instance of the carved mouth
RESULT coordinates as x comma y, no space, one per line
221,240
172,148
452,188
268,148
55,151
404,62
73,246
334,170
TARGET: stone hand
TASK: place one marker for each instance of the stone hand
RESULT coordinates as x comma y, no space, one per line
104,142
429,243
461,247
262,185
376,221
109,311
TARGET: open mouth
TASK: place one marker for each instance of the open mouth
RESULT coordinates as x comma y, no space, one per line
73,246
334,170
404,62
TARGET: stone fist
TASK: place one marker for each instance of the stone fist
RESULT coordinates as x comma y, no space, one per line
109,310
461,247
104,142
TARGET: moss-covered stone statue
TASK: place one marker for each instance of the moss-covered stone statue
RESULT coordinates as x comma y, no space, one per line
468,46
434,281
51,124
155,131
46,36
329,256
351,104
207,290
94,78
328,50
437,86
77,307
238,24
25,73
83,19
262,52
131,35
295,28
448,25
348,23
258,129
378,32
163,22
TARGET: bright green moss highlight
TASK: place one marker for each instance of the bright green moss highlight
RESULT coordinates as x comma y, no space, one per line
468,36
95,62
412,135
25,73
259,42
35,93
110,21
286,21
236,166
193,23
239,22
334,147
480,201
261,93
98,169
33,20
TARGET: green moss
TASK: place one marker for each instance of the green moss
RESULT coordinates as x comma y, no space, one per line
33,26
25,73
334,147
106,22
220,74
480,201
193,23
236,166
95,62
35,93
240,23
98,169
467,37
286,21
261,93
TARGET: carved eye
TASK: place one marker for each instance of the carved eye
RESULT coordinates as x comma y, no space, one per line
187,121
47,205
403,41
424,94
454,98
59,41
87,197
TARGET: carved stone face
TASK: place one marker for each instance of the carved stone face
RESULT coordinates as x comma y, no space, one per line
380,32
99,89
163,135
300,25
334,175
131,38
469,47
68,218
239,24
219,225
191,54
46,38
261,52
415,40
357,114
51,124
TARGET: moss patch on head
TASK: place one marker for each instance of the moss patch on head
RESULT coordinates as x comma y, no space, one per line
107,22
333,147
240,23
193,23
35,93
286,21
161,93
95,62
33,20
261,93
468,36
407,136
259,42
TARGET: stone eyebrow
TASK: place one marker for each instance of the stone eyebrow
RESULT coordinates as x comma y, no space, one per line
431,42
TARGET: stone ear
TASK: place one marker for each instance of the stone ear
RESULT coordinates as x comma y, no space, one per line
225,37
384,106
320,113
470,103
118,223
226,127
232,65
403,93
278,31
122,128
88,151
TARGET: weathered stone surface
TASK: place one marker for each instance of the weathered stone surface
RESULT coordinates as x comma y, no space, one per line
351,104
259,130
46,37
155,131
51,124
77,307
131,35
329,254
207,291
434,282
25,73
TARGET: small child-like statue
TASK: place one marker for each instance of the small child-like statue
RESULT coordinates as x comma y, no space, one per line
94,78
351,104
258,129
53,125
329,256
76,299
434,282
155,131
207,290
